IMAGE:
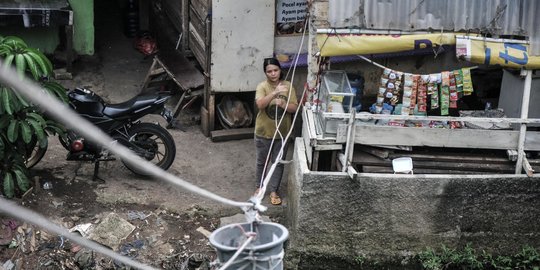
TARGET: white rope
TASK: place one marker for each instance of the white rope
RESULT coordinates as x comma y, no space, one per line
27,215
64,114
237,253
383,67
264,184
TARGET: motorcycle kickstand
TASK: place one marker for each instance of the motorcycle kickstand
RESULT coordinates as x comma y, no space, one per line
96,172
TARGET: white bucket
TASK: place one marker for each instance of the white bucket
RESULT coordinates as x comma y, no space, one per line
265,252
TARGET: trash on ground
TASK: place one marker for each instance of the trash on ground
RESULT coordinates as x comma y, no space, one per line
136,215
83,229
111,231
204,231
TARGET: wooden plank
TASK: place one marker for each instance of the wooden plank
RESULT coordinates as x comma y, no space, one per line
231,134
197,22
376,151
204,121
451,157
185,25
527,167
436,137
201,8
307,141
367,159
173,10
432,118
197,47
380,169
180,69
211,112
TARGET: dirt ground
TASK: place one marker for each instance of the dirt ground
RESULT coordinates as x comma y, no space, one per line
165,234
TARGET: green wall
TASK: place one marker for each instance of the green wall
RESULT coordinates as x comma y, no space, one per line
46,38
83,26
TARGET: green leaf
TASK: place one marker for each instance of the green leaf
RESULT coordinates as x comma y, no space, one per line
41,60
8,60
22,180
38,129
32,66
9,186
4,120
14,41
57,89
20,63
6,100
26,133
55,127
37,117
13,130
43,143
22,101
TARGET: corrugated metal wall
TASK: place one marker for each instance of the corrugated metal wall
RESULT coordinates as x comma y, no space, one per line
499,17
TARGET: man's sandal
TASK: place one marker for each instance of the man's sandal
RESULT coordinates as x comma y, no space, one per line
275,199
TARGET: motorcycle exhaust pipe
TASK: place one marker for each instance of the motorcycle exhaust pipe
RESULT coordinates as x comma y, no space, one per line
77,145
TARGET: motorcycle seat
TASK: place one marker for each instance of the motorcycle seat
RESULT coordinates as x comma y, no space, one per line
129,106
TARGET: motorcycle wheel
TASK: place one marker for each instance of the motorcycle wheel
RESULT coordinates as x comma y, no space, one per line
34,153
157,143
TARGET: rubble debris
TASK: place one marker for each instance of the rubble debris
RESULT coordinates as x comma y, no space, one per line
8,265
111,231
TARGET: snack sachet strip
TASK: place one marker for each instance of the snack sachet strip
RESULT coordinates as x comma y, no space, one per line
467,81
445,92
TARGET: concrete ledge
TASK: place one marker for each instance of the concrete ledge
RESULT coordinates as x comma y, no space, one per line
389,217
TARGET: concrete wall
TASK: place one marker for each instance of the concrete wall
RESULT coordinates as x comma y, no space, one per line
334,220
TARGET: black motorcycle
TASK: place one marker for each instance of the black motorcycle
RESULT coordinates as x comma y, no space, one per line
122,122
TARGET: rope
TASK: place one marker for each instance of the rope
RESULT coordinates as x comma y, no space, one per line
64,114
383,67
237,253
264,184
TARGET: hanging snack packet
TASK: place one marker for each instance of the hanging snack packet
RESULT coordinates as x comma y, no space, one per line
414,93
421,99
445,92
453,91
467,81
458,75
407,93
433,90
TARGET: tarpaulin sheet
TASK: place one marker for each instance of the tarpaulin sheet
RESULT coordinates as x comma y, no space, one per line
506,53
351,44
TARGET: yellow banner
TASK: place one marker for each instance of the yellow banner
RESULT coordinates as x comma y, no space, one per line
506,53
351,44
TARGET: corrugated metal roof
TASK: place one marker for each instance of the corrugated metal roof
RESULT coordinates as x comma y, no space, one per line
498,17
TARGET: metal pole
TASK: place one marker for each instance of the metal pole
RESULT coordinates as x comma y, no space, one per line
524,115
